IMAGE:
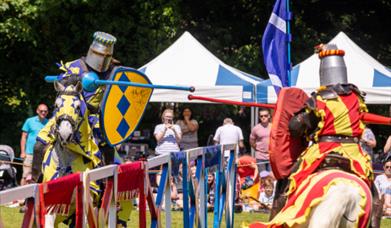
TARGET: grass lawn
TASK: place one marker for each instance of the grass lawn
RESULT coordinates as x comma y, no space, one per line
12,218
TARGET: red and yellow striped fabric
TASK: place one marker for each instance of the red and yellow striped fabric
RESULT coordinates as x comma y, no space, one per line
311,192
311,159
340,116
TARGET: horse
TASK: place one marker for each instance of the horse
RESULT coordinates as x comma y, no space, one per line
329,197
333,198
73,148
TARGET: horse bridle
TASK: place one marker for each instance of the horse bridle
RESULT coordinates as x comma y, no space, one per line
75,126
67,118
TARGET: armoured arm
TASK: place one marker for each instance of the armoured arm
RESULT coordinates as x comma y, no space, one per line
305,121
302,123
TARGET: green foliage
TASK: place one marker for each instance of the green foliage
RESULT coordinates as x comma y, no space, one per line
16,21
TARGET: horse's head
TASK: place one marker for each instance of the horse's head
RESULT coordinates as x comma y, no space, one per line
68,111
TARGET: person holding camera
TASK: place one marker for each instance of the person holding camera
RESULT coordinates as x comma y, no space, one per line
167,134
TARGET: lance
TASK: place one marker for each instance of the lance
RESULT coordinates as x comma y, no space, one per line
90,82
247,104
368,118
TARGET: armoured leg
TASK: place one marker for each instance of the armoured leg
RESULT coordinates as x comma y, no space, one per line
280,197
108,153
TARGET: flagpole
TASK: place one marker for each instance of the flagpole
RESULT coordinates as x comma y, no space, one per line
288,28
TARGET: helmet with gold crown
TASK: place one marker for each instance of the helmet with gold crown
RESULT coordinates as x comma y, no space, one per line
332,68
100,54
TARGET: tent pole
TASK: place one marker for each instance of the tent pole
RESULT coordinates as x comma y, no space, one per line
254,121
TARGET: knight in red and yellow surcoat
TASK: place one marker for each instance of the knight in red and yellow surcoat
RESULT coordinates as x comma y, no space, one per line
335,112
331,120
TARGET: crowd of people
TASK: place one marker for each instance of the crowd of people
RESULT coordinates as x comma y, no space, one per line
255,183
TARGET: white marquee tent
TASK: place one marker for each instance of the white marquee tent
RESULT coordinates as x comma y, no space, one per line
363,70
187,63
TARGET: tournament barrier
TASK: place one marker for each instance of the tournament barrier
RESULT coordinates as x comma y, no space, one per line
56,196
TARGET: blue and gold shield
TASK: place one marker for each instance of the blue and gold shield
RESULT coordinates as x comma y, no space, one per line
123,106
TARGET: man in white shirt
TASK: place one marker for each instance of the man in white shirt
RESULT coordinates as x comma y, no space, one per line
229,134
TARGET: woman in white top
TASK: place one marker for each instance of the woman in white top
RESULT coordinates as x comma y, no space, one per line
189,128
167,134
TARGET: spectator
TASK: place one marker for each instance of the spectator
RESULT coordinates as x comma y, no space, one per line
266,197
265,177
368,141
189,128
167,134
259,139
387,203
383,184
30,130
249,180
387,146
229,134
211,189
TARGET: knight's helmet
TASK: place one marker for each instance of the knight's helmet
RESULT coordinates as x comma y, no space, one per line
100,54
332,68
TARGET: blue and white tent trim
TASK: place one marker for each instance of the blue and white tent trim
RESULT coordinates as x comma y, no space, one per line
364,71
188,63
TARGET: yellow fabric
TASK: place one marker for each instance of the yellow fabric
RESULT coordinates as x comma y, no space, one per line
288,216
348,150
252,192
95,100
86,145
340,112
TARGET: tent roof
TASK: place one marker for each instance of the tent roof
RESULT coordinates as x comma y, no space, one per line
364,71
187,63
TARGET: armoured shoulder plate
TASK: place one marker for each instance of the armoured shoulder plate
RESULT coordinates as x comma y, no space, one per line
355,89
328,94
311,102
342,89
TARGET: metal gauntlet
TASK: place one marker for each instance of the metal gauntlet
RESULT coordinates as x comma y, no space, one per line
303,123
